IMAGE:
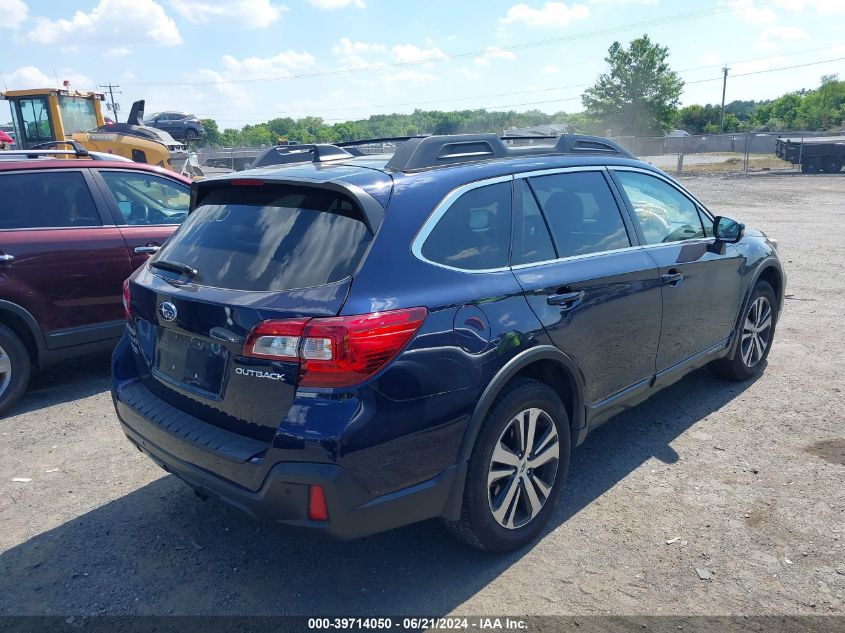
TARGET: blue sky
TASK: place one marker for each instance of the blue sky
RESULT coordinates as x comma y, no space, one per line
245,61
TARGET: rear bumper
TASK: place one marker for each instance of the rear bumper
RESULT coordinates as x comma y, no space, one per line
282,496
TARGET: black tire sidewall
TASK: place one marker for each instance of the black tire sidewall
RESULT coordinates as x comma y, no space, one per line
762,289
21,368
525,395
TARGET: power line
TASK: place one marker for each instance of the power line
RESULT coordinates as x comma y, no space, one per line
679,17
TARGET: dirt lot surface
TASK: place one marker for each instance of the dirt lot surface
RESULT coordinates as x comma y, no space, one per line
744,482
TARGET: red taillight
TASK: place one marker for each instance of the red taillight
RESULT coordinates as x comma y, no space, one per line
336,351
246,182
344,351
126,300
318,510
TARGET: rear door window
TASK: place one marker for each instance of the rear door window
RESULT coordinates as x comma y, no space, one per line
531,240
475,231
582,213
46,199
270,239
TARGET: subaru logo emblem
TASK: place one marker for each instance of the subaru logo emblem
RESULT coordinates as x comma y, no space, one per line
167,311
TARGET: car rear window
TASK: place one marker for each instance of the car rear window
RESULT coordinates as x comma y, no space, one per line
270,238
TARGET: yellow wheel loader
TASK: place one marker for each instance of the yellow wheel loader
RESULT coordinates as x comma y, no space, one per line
48,114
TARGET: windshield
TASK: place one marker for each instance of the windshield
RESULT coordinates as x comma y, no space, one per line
77,114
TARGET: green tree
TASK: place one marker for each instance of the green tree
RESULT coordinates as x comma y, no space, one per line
640,93
212,132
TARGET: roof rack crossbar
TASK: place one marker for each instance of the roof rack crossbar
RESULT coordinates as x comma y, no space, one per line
430,151
78,148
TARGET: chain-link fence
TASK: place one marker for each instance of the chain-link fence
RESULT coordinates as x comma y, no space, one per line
746,152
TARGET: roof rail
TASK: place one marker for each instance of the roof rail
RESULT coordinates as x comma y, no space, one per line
78,148
448,149
431,151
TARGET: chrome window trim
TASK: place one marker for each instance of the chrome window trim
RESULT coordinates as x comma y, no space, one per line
667,180
558,170
440,210
694,240
577,257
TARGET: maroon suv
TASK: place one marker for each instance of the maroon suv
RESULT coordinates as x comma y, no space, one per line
71,230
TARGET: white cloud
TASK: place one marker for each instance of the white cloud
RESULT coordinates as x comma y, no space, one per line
366,54
337,4
120,51
408,53
355,54
752,12
32,77
284,63
111,21
246,13
551,14
756,11
711,58
491,53
469,74
773,36
13,13
550,70
29,77
825,7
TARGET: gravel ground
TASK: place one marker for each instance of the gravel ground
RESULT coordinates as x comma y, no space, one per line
743,481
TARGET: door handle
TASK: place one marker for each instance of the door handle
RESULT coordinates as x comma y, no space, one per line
566,300
147,250
6,259
672,278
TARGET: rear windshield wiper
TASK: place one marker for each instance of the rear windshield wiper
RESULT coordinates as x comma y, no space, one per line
176,267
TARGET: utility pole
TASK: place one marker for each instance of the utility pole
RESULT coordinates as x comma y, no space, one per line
724,87
112,88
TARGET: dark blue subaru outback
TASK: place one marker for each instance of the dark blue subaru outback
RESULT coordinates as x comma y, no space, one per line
352,342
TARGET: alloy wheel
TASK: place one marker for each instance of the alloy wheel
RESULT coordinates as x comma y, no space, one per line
756,332
523,468
5,370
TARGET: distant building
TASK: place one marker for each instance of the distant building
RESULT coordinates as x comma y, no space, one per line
549,129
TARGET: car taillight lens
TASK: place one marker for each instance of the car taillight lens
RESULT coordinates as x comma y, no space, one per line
276,340
336,351
126,300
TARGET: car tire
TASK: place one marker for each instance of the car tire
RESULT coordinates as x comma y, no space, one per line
811,167
15,368
191,134
832,165
498,512
755,341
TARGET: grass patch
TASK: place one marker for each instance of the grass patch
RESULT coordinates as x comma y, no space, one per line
736,163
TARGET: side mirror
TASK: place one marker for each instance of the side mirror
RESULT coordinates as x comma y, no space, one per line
727,230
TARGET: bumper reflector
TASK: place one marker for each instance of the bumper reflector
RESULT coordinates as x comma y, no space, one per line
317,508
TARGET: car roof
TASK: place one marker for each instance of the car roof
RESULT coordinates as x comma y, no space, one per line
35,164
